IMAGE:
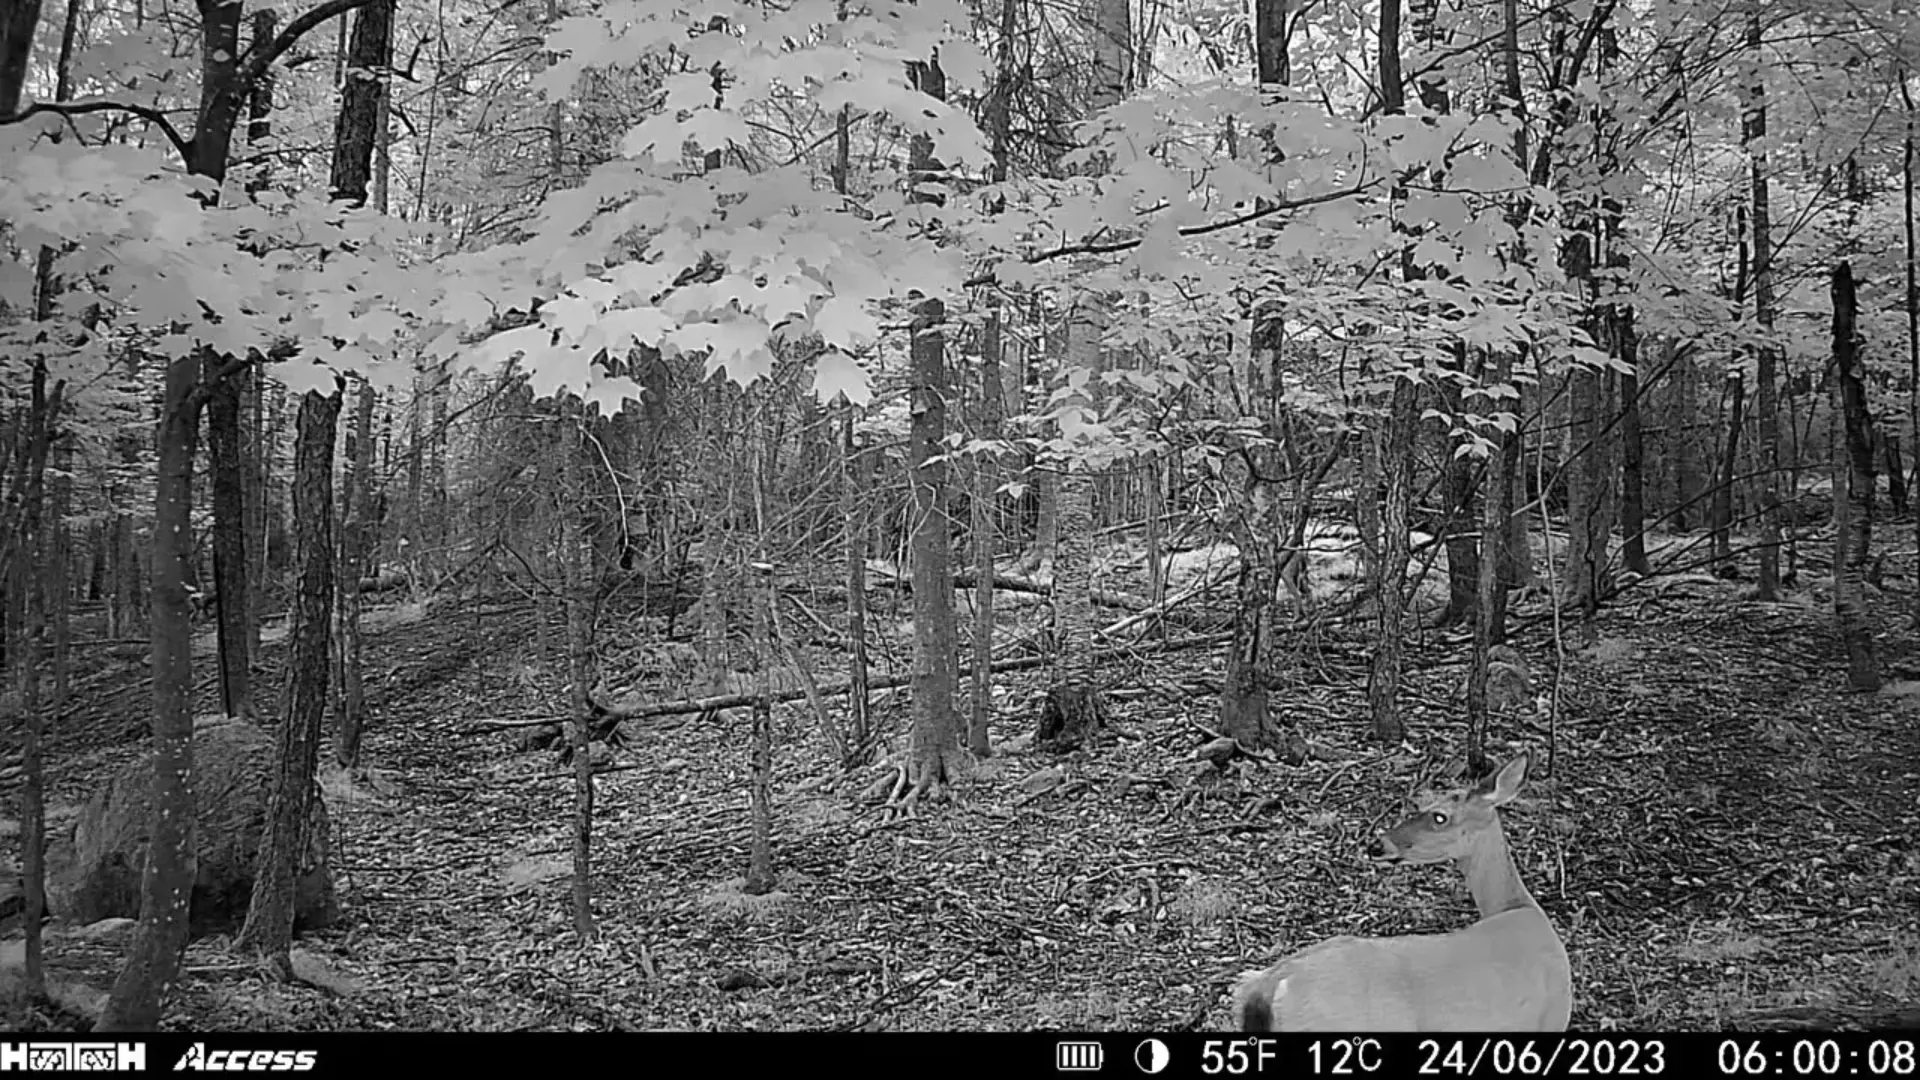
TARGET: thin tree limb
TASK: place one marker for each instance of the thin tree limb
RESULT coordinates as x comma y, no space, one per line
81,108
256,59
253,63
1234,222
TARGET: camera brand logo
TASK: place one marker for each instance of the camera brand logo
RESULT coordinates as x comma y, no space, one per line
72,1057
200,1059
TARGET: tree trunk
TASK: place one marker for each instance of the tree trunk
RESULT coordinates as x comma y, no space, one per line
855,478
355,138
357,526
1046,518
1392,453
934,722
356,133
229,533
983,526
1729,471
1487,613
1243,699
576,563
256,454
166,883
1496,555
1912,259
1589,487
1587,461
1273,62
33,534
269,925
1253,471
1683,440
1462,479
1395,449
1073,709
760,877
123,610
983,516
1852,490
433,535
25,603
1896,472
1633,502
212,138
1766,392
18,20
1516,562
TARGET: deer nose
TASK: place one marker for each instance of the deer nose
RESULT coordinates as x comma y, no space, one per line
1381,849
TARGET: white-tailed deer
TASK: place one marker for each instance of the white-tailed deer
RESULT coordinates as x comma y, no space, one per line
1506,972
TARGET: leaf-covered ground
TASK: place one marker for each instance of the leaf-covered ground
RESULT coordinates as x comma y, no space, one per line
1723,829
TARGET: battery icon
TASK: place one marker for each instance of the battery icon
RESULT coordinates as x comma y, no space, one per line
1077,1057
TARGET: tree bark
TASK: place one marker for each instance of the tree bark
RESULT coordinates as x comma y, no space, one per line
983,527
854,473
576,564
762,598
984,516
24,611
1728,473
269,925
229,534
357,525
1392,451
1896,471
166,883
33,534
1907,162
1253,466
1395,449
219,110
1766,392
1487,629
1462,479
1683,439
18,20
1272,59
357,129
934,722
1073,709
1633,502
1852,489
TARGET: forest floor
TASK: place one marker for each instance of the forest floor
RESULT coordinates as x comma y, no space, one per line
1722,829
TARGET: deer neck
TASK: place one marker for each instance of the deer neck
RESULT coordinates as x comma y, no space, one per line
1490,875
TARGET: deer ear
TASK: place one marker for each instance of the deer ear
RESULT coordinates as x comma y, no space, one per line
1502,786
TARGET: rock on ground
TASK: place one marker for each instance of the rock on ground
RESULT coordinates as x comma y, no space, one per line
94,865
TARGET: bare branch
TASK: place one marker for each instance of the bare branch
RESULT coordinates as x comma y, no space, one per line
80,108
257,59
253,64
1234,222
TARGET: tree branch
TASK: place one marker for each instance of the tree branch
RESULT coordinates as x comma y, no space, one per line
256,60
253,63
1234,222
70,109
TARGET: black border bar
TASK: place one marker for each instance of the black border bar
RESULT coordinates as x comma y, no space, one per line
1068,1056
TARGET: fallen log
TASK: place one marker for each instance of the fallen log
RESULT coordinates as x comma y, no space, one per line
966,579
716,702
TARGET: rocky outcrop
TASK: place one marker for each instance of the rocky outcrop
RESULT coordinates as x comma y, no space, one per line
94,865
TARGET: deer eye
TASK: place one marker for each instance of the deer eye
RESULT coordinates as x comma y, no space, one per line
1439,819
